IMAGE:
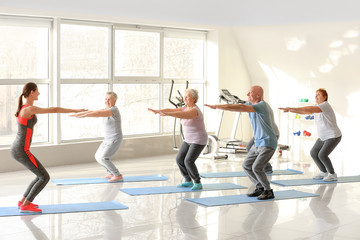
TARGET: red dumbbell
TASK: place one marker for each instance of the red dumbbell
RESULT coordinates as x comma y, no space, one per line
306,133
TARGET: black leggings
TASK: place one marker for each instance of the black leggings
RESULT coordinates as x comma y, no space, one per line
42,176
185,159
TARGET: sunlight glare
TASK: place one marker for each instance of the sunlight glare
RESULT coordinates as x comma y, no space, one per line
336,44
353,33
326,67
295,43
353,101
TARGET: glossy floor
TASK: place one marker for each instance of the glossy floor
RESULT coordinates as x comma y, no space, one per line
335,214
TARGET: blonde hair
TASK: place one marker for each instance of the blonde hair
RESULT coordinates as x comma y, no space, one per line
194,93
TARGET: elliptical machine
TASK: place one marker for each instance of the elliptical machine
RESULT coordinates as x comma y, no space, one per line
180,103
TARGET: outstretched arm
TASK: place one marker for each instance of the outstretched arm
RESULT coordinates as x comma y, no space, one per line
95,113
177,112
302,110
232,107
29,111
165,111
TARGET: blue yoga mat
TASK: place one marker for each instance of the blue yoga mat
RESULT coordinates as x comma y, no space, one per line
66,208
243,198
298,182
74,181
243,174
174,189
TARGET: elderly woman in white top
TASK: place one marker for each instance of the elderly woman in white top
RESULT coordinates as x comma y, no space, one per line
112,136
328,131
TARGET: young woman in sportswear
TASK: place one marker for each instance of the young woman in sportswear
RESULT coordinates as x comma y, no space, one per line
20,149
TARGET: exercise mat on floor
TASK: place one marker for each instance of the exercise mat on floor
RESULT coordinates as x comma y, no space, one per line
243,174
76,181
65,208
174,189
310,181
243,198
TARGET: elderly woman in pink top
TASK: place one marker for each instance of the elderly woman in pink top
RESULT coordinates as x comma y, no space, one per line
196,137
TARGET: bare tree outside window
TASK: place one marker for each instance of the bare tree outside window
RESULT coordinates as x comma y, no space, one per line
24,52
137,53
134,99
82,96
183,58
84,51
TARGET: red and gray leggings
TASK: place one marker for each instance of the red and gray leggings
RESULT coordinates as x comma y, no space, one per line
42,176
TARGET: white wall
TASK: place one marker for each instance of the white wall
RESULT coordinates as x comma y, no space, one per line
226,70
293,61
233,75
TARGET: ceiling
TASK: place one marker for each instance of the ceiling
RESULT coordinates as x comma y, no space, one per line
195,12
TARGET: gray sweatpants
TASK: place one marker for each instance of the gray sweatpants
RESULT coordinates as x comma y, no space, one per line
106,150
249,145
320,153
185,159
254,164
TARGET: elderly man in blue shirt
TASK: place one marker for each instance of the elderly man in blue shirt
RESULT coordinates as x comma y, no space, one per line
264,137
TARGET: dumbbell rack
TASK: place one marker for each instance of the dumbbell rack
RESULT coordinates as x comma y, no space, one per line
300,143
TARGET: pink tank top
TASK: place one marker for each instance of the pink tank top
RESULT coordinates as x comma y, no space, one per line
194,129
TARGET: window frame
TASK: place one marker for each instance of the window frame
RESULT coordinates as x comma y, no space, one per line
22,21
54,79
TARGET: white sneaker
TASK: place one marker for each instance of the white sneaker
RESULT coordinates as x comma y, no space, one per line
321,175
330,177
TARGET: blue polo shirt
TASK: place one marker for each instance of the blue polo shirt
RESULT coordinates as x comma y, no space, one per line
264,134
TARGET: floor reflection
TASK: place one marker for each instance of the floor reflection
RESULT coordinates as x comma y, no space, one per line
261,218
35,231
186,217
113,222
319,207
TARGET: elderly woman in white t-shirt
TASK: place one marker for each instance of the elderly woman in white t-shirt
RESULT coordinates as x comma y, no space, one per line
196,137
113,135
328,131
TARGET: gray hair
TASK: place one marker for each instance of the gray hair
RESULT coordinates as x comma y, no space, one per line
194,93
113,94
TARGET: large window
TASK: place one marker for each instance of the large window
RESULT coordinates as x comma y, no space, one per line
24,52
24,57
137,53
183,58
133,102
88,59
84,76
84,52
82,96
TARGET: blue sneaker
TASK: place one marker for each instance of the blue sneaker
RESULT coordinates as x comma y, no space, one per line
197,186
185,184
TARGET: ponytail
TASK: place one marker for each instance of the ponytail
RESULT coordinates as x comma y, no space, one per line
30,86
20,104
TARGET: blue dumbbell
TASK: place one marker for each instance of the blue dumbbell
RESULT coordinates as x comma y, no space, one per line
297,133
